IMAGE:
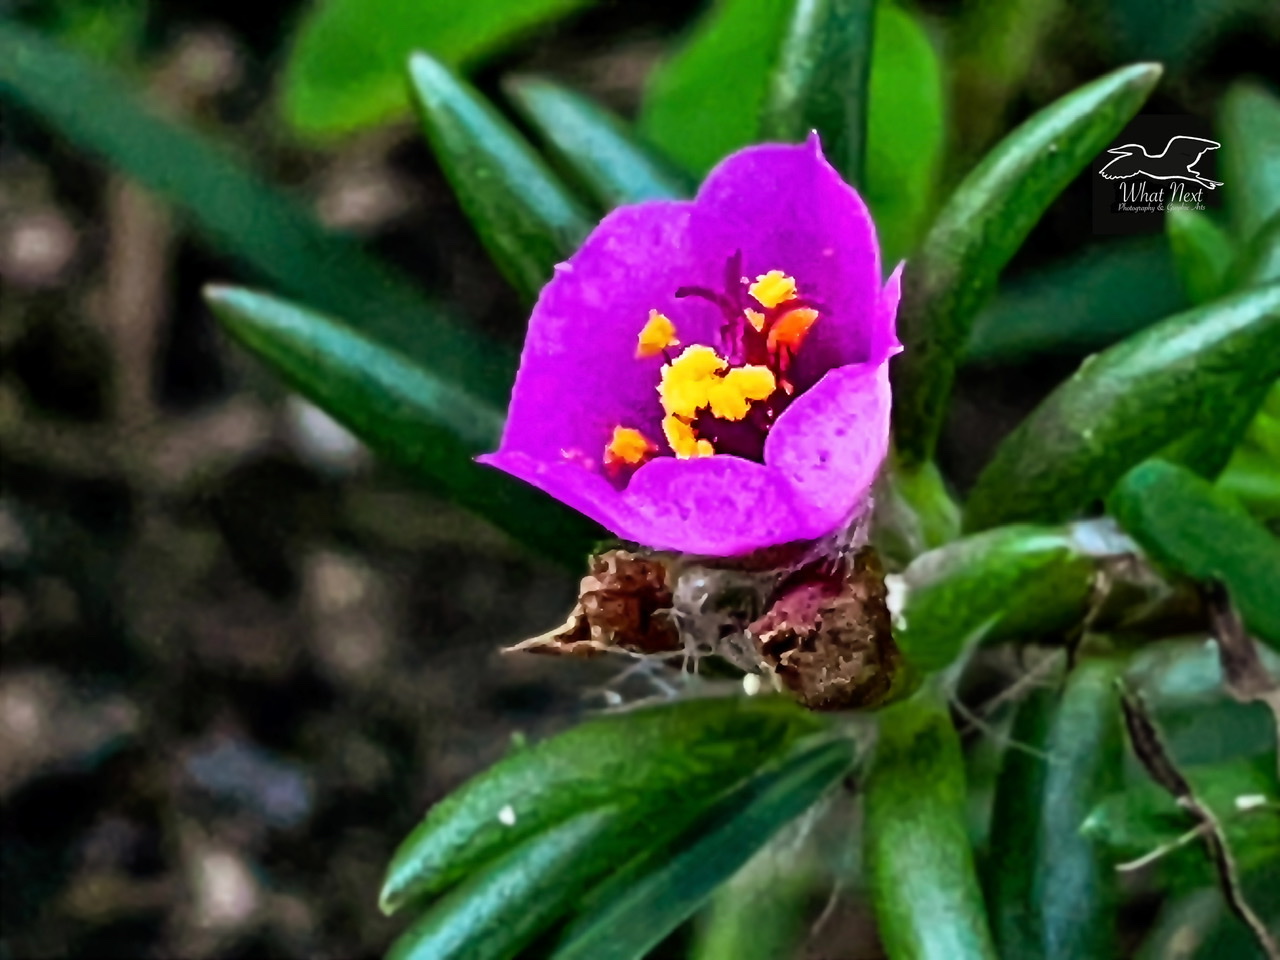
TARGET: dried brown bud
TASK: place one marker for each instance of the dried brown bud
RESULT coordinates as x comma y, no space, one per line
828,635
624,603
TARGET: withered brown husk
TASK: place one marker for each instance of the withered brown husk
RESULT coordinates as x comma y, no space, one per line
828,635
624,604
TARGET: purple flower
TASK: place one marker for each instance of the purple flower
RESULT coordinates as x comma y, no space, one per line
711,376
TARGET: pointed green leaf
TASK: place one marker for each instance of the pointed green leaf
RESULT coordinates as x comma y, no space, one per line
1017,581
924,888
596,146
634,916
1188,525
906,130
1250,125
239,213
495,913
655,756
1202,251
426,424
821,80
526,218
914,512
1127,403
706,101
1132,823
346,69
1260,261
762,912
1050,892
979,230
1079,304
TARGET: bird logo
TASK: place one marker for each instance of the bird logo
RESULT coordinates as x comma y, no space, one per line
1175,162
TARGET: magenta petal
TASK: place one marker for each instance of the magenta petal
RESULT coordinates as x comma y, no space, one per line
788,209
830,442
884,332
579,377
586,491
717,506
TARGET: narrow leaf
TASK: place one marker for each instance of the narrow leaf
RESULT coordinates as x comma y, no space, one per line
526,218
1051,894
425,424
1017,581
688,749
762,913
978,231
1250,123
596,146
1133,822
706,101
821,80
239,213
496,912
923,885
634,918
1260,261
1079,304
1125,404
1186,524
346,69
1202,251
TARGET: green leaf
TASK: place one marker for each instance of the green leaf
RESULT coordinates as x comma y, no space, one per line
346,69
1123,405
1136,821
427,425
653,757
1051,895
906,130
707,101
1202,251
1260,261
927,900
1017,581
596,147
1200,723
821,80
762,912
635,915
979,230
1187,525
240,214
526,218
1079,304
1253,473
1250,124
496,912
1253,478
914,512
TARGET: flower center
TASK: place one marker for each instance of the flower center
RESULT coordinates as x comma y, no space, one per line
722,399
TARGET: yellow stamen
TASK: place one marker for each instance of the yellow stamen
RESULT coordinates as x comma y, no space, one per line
628,447
730,397
684,442
772,288
756,319
790,329
687,381
658,334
